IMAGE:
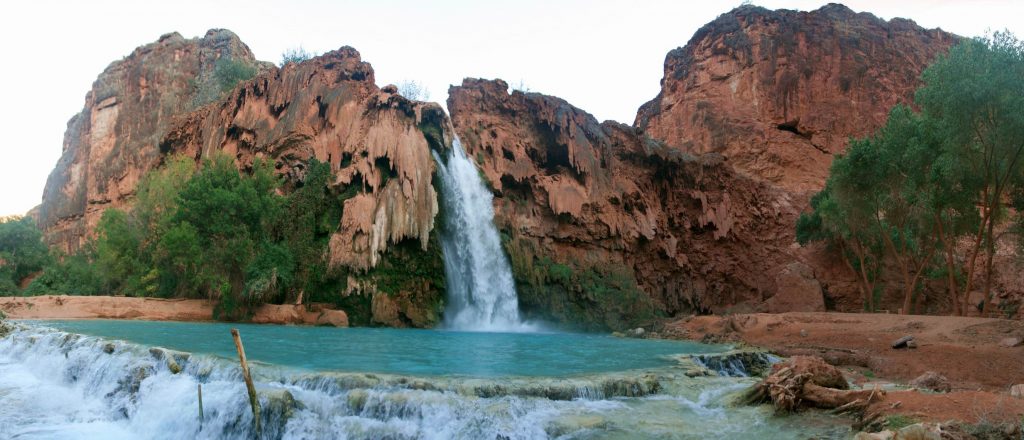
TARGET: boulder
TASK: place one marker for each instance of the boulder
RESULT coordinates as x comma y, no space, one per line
932,381
1017,391
333,318
1013,341
798,291
904,342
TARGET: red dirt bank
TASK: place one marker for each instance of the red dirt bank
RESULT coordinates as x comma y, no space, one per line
967,351
155,309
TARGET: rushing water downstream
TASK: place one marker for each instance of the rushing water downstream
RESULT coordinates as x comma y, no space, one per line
366,384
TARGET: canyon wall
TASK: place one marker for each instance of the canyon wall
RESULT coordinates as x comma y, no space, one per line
158,102
694,205
607,225
114,140
779,92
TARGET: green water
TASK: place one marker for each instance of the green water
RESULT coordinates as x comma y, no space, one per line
401,351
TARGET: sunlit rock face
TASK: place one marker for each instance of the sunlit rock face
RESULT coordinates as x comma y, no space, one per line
779,92
116,137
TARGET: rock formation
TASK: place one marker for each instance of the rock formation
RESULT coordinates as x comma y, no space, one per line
691,209
779,92
695,205
160,101
115,139
610,227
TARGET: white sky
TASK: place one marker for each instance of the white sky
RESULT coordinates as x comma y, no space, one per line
604,56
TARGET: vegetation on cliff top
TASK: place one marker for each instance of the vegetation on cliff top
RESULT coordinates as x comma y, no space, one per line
951,173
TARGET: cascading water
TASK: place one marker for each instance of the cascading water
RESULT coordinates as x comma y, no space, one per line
58,385
481,292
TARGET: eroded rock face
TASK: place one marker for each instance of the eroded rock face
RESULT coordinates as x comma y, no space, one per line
695,205
610,227
157,102
115,139
779,92
329,108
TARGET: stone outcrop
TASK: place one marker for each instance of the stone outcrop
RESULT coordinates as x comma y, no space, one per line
116,137
166,99
330,108
606,225
779,92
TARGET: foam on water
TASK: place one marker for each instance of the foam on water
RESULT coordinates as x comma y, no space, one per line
60,385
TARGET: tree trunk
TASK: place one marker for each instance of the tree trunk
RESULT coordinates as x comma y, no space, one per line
990,250
975,250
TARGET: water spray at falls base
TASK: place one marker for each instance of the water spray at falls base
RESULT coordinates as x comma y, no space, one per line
481,290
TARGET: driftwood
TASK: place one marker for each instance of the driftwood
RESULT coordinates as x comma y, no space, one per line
200,390
254,401
807,381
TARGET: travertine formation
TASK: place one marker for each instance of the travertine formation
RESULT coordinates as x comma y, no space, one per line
603,198
163,99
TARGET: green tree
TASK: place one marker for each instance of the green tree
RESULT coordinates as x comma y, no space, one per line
975,95
231,215
22,251
310,215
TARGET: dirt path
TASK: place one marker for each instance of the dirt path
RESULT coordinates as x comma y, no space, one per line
967,351
156,309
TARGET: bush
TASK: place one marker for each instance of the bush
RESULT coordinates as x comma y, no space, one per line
229,72
294,55
22,251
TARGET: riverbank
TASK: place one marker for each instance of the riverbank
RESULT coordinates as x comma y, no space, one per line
979,359
158,309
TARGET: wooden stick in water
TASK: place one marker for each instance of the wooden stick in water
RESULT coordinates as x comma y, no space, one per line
253,400
200,386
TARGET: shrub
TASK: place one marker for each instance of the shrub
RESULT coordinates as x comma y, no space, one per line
294,55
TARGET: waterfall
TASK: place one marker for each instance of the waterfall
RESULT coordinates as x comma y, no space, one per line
481,292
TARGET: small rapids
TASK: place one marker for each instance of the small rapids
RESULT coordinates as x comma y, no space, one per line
68,386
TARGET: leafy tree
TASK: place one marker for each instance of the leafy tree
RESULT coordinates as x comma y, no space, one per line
22,251
228,72
975,95
310,215
69,275
230,215
924,180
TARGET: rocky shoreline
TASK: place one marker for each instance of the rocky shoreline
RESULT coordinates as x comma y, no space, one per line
959,369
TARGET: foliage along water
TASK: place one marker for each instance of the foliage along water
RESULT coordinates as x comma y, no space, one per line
61,385
481,290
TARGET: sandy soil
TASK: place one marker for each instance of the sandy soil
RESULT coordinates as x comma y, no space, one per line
156,309
966,351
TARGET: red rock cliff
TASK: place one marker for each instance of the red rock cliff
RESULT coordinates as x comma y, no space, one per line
114,140
608,226
779,92
695,205
160,101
